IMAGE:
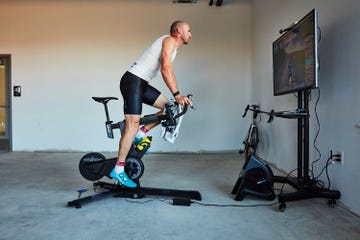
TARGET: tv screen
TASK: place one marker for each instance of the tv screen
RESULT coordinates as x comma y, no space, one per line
295,57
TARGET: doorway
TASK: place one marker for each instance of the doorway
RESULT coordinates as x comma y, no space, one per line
5,103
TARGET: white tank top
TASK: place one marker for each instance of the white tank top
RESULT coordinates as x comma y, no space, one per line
147,66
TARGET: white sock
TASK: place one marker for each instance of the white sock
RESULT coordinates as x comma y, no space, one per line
119,167
141,133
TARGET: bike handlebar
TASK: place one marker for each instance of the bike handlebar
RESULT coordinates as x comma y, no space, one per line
186,107
255,108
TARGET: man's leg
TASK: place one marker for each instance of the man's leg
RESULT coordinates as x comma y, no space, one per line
127,138
132,89
131,128
160,104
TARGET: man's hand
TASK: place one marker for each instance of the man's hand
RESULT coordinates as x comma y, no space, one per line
183,100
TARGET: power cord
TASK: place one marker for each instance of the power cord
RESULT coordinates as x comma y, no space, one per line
325,168
317,133
234,205
315,180
188,202
219,205
286,177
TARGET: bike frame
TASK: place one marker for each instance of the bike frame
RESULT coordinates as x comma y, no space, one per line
166,120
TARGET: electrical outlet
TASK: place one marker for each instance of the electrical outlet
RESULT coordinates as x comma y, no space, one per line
342,158
337,157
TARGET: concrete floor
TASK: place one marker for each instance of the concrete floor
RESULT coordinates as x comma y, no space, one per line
35,189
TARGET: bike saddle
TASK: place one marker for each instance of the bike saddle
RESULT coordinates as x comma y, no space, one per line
104,99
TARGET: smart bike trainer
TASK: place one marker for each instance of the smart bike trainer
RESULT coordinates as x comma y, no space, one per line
256,178
94,166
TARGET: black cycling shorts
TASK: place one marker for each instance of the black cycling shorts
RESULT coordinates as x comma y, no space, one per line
136,91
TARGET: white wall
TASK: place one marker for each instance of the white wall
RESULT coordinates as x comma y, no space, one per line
338,108
65,52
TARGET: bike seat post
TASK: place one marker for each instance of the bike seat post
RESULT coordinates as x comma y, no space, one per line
108,123
107,112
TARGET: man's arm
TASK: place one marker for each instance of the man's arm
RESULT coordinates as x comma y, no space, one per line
167,70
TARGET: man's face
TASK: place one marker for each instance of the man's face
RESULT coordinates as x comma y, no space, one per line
185,33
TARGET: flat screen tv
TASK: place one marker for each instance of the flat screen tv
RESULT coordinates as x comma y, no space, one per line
295,56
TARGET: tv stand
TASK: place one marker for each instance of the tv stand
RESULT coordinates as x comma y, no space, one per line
306,187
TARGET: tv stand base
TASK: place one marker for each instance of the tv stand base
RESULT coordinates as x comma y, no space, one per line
305,191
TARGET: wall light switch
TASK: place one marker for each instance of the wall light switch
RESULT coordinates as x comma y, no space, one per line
17,91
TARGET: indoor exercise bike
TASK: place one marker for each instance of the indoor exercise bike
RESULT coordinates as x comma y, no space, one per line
256,177
94,166
252,139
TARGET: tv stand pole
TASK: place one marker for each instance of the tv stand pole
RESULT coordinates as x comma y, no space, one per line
306,187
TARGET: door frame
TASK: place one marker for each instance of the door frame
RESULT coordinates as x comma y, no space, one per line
6,60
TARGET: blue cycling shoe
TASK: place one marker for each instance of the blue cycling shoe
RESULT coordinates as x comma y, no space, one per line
123,179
